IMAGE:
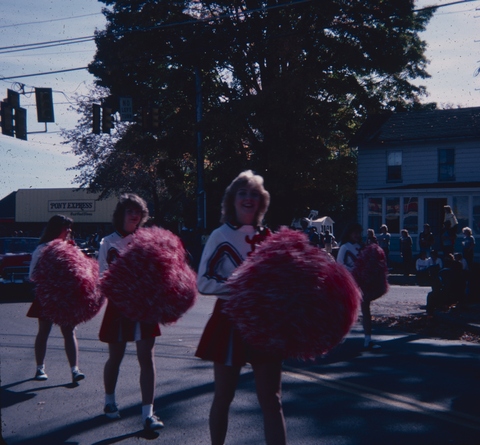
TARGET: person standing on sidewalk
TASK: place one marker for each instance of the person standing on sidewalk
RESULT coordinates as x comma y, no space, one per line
244,205
426,240
452,224
330,241
58,227
371,238
468,246
130,213
384,240
406,251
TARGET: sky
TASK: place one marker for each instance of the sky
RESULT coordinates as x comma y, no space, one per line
453,49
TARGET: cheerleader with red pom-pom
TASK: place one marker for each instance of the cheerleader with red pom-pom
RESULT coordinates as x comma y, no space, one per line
244,204
291,298
58,227
368,266
117,329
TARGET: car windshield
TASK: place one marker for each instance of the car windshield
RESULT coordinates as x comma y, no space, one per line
18,245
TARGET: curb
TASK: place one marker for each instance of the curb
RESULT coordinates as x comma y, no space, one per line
402,280
470,326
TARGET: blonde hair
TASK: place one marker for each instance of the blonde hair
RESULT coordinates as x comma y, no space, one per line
467,230
246,178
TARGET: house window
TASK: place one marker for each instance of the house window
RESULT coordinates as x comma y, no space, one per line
375,214
476,215
393,214
394,166
446,164
410,214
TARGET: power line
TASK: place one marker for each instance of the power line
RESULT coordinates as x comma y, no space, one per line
44,74
25,47
193,21
50,53
45,46
48,44
30,46
445,4
15,25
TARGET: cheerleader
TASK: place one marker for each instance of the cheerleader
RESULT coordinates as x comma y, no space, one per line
58,227
348,253
130,213
244,205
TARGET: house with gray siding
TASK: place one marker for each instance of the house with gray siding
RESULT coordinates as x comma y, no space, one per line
411,164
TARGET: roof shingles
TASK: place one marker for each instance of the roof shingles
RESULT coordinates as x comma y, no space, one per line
458,123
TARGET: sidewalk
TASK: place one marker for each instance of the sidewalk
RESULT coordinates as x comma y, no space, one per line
454,323
468,318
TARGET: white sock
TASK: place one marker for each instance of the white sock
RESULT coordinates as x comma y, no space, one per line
147,411
74,368
368,339
110,399
41,367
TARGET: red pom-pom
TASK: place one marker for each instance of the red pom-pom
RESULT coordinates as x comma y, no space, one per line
151,281
290,298
66,284
371,272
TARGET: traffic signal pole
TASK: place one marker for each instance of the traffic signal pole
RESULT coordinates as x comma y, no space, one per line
201,198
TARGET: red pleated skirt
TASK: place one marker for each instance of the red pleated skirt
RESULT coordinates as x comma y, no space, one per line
35,310
222,343
117,328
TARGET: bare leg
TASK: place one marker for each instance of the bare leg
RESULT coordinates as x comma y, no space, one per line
44,328
226,380
268,381
366,318
71,344
112,366
145,355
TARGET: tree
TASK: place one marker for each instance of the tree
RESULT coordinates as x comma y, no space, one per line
304,75
129,160
285,85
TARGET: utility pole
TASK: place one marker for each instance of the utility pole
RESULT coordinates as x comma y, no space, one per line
201,198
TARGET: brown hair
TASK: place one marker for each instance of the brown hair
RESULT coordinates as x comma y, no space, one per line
54,228
128,201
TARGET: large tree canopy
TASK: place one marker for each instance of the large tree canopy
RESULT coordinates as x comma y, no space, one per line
284,86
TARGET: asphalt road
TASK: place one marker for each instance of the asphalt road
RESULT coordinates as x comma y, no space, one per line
413,391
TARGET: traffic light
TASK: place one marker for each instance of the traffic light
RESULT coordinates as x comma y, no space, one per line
143,118
7,118
96,113
14,117
107,119
13,98
44,100
21,123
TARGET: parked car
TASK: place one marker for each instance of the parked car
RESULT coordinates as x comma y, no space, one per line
88,250
15,257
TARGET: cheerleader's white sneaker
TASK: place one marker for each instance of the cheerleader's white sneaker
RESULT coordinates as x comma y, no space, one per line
41,375
77,375
153,423
111,411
